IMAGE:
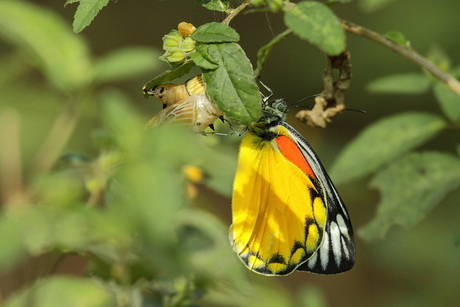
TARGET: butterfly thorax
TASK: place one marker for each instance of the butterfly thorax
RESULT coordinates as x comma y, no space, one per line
267,126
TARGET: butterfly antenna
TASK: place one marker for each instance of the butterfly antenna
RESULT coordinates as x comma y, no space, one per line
296,102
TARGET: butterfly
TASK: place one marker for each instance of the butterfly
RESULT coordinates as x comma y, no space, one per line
287,214
185,104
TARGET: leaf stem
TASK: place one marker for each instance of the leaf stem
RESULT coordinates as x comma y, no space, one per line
408,53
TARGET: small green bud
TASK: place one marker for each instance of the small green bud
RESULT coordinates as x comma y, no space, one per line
188,45
275,5
172,40
175,57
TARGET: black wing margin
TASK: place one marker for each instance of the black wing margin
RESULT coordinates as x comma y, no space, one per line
336,253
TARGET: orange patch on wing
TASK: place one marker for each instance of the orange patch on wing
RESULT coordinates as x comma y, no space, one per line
292,152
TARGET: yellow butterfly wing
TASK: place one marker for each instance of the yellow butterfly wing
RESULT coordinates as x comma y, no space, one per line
279,216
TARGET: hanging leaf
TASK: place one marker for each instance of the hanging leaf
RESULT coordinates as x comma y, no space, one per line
383,141
410,188
86,11
315,22
405,84
398,37
231,86
265,51
448,100
214,5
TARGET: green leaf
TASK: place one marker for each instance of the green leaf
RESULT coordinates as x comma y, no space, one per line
171,74
448,100
265,51
384,141
410,188
61,55
215,32
201,61
214,5
232,86
125,63
316,23
370,6
86,11
398,38
54,291
408,84
70,2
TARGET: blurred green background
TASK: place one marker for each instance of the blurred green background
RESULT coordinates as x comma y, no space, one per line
409,267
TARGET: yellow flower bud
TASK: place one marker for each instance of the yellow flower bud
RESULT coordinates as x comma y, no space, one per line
186,29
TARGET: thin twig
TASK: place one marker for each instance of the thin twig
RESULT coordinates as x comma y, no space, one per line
408,53
11,180
60,133
235,12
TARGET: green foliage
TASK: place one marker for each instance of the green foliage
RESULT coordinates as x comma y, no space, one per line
214,5
73,291
402,84
125,207
86,11
68,65
231,86
384,141
411,187
316,23
448,101
170,74
398,37
227,72
215,32
412,184
265,51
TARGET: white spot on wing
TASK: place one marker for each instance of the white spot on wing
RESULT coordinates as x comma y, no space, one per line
312,261
343,227
344,248
335,240
324,251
